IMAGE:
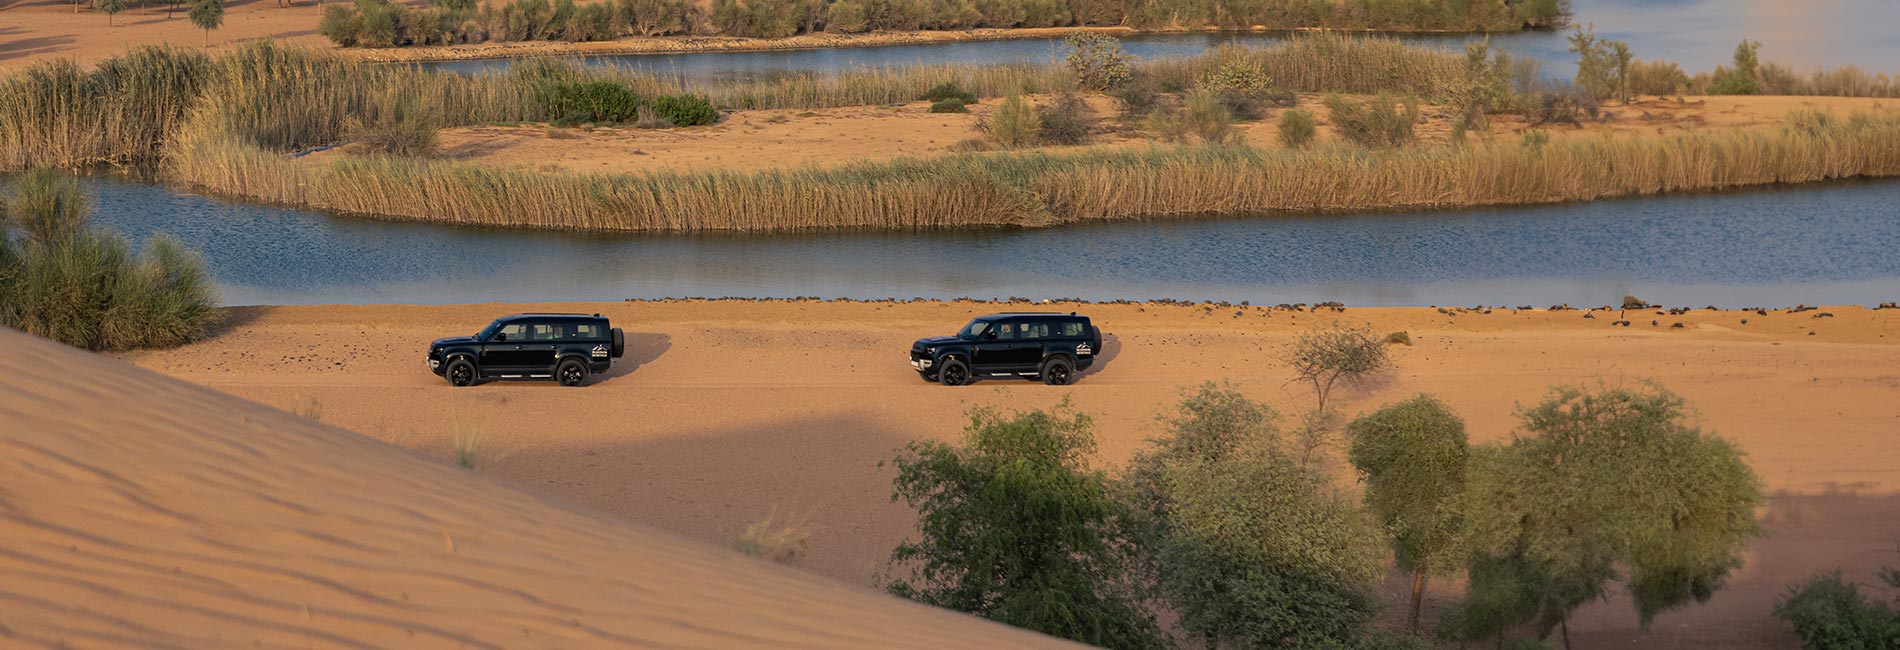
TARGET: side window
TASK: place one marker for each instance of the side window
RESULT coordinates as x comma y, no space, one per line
1073,329
1036,330
586,332
1005,330
514,331
544,332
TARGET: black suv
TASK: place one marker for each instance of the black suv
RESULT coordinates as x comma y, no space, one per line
1052,347
566,347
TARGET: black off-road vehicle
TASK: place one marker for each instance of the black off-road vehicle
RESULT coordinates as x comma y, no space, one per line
564,347
1051,347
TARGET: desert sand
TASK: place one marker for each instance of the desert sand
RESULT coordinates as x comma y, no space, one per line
139,511
753,140
726,412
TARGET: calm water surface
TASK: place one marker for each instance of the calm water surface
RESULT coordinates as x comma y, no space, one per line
1837,243
1699,34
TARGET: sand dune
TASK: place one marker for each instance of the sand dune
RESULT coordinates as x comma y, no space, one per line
727,411
137,511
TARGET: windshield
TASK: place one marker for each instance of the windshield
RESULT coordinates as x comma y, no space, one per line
488,331
974,330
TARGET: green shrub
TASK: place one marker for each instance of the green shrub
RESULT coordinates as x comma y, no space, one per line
685,110
1014,124
1208,117
594,101
398,123
1098,61
65,282
1382,121
1139,95
340,24
1166,124
1297,128
952,105
1563,107
948,90
1065,121
1829,613
1738,80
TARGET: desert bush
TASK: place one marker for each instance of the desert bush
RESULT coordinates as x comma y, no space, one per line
400,124
657,17
952,105
1014,123
593,101
1563,107
341,23
1599,484
946,91
1097,60
1064,121
1243,87
1014,526
1168,125
61,280
1381,121
122,110
1411,457
772,539
1534,140
685,110
1207,116
1829,613
1138,96
1399,338
1296,128
1248,545
1656,78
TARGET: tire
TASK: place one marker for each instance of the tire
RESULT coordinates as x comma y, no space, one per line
928,376
953,372
620,343
460,373
1058,372
571,373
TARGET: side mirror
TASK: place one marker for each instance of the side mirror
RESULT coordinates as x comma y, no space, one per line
500,337
990,334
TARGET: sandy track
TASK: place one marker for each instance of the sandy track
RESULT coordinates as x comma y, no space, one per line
141,512
725,412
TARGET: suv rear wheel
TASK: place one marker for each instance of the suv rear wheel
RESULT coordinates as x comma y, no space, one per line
571,373
1057,371
953,372
460,373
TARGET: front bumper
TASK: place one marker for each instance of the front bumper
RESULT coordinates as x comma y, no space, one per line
435,366
921,365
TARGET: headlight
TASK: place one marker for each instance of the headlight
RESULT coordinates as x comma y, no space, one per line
930,351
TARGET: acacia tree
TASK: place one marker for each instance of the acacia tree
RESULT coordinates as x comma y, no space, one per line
1251,546
1600,485
1412,457
1327,356
207,15
1015,527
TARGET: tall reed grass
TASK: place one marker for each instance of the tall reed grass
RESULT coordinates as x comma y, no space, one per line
1037,189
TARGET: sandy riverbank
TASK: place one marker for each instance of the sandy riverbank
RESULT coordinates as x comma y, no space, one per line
727,411
757,140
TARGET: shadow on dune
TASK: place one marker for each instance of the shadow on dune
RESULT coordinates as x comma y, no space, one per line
642,348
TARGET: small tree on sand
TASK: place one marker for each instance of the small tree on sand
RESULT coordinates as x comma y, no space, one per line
1412,457
1249,545
1098,61
111,7
1328,356
207,15
1596,485
1015,527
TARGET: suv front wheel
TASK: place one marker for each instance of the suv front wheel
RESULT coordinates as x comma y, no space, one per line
953,372
460,373
1057,371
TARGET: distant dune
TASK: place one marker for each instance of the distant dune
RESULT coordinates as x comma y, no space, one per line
138,511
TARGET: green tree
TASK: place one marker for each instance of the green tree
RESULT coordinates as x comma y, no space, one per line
1249,545
1830,613
1014,123
1412,457
111,7
207,15
1740,79
1015,527
1597,485
1327,356
1602,64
